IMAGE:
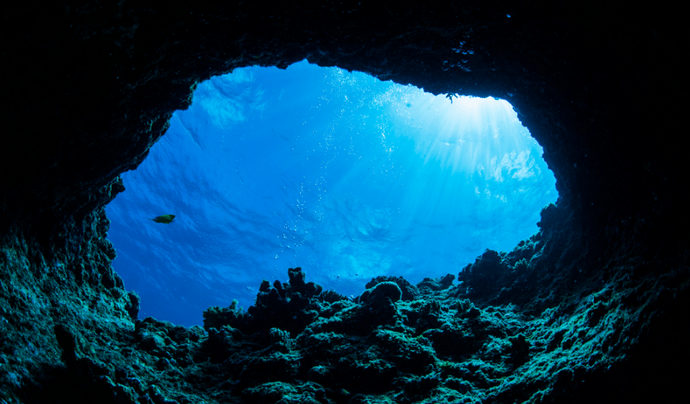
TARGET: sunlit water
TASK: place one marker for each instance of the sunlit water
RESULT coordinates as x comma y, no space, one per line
336,172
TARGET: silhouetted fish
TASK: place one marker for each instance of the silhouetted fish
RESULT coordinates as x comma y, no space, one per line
164,219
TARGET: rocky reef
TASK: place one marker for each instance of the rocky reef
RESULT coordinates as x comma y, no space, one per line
591,307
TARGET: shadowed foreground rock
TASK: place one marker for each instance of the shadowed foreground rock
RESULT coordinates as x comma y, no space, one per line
593,307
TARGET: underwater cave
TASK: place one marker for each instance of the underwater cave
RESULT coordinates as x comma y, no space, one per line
590,306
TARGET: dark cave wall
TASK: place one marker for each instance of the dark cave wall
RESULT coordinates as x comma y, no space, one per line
105,78
90,87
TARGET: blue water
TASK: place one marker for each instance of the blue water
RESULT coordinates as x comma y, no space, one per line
337,172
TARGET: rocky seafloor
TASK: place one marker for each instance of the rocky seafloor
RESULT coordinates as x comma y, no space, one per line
447,340
591,308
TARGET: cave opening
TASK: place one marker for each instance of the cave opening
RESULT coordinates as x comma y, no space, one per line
334,171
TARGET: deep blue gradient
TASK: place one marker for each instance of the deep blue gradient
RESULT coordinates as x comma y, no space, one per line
339,173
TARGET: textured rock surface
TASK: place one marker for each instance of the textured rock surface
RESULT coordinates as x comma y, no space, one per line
593,306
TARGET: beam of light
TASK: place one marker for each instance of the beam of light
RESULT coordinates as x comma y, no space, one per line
470,135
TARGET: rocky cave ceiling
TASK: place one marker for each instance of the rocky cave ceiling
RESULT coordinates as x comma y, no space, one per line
90,87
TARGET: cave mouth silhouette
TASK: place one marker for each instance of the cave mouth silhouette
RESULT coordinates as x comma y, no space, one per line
337,172
606,285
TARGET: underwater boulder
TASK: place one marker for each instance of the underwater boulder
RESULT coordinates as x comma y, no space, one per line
382,290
